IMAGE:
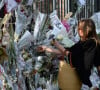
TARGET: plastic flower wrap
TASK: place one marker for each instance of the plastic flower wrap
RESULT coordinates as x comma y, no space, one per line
2,3
58,27
50,85
21,62
73,34
23,18
38,63
10,5
81,2
5,83
68,42
46,79
25,40
96,18
94,78
65,41
39,24
29,2
40,60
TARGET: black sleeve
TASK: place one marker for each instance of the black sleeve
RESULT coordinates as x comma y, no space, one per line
97,56
75,47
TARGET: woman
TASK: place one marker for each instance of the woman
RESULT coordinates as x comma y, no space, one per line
85,53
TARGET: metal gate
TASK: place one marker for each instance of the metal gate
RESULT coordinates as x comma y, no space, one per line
65,6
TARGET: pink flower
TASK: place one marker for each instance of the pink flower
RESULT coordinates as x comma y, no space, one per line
67,26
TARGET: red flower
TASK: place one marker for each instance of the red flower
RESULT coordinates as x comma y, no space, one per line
18,1
22,10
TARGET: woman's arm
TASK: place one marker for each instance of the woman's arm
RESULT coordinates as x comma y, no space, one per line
60,47
48,49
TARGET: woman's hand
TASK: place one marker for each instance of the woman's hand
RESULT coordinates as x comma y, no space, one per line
48,49
55,42
59,46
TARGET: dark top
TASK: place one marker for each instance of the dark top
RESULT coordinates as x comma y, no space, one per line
85,54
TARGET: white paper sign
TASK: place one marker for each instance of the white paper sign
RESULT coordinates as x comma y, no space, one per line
58,26
25,40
